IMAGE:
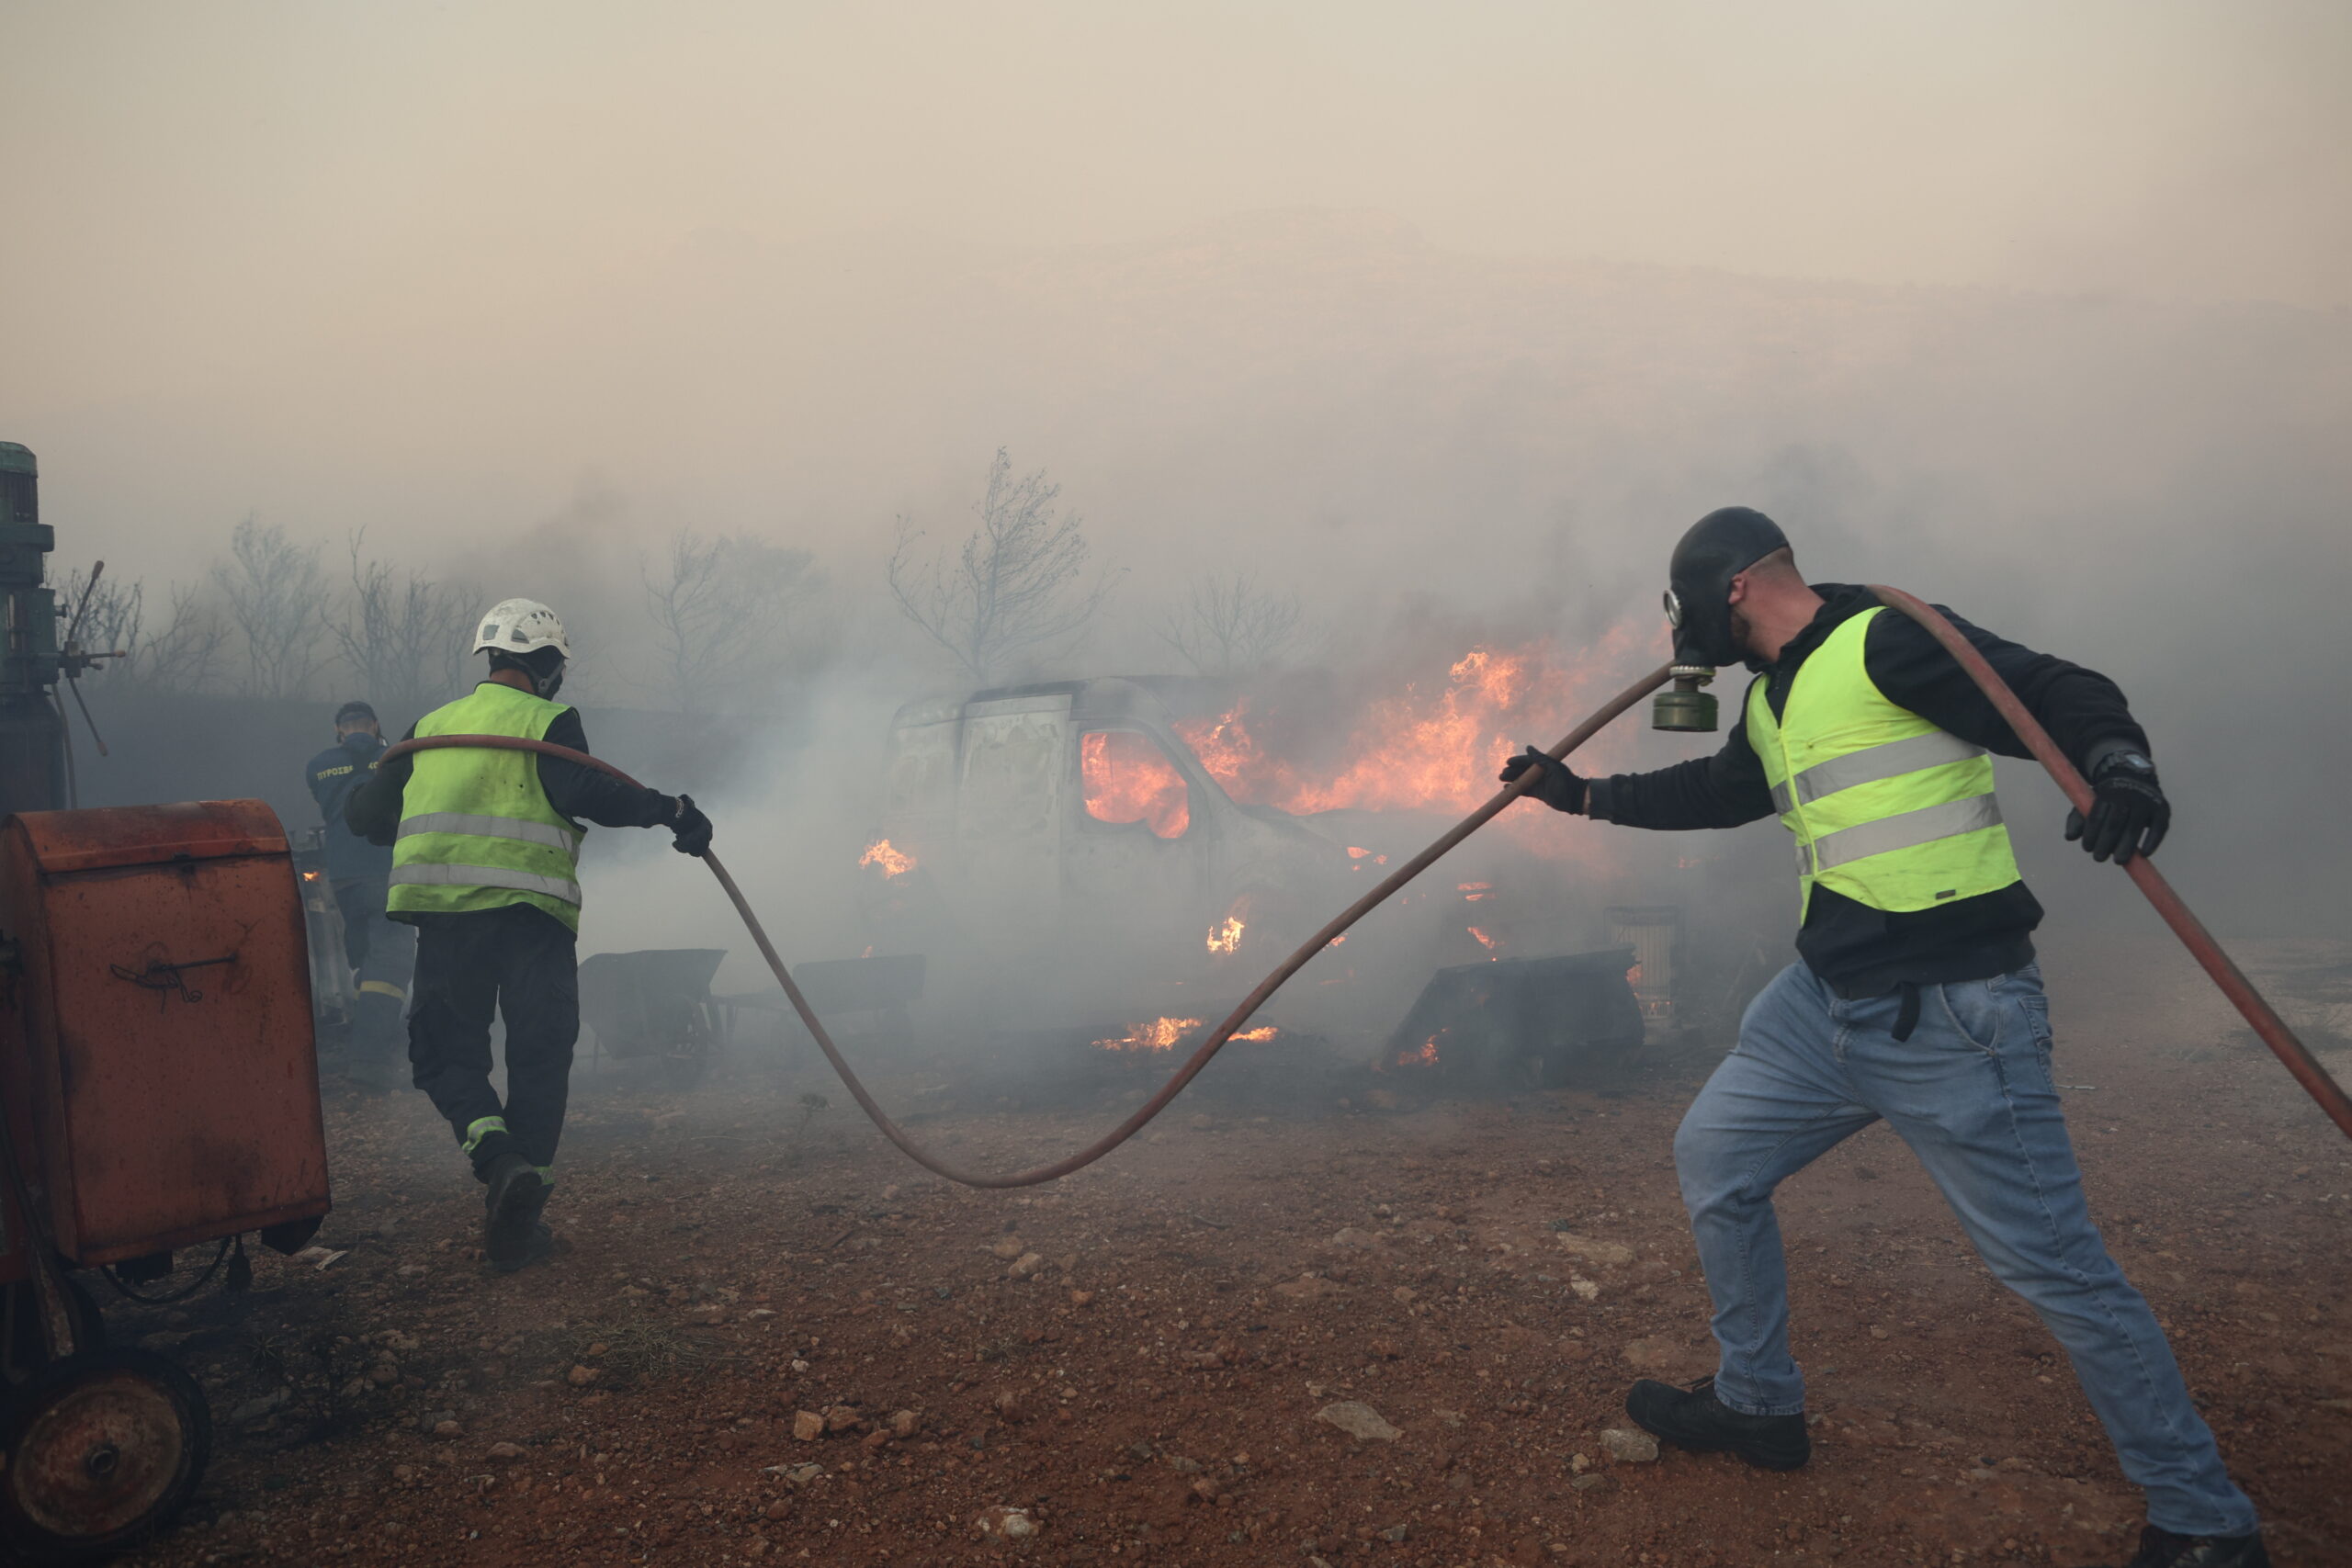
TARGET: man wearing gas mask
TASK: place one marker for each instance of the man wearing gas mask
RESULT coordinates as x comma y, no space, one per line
379,949
1916,997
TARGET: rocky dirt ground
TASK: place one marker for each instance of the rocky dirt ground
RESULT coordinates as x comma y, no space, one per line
1357,1332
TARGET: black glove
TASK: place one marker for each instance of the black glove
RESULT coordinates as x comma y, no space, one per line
2130,813
690,825
1557,789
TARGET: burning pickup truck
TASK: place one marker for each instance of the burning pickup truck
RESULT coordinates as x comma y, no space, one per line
1074,848
1068,819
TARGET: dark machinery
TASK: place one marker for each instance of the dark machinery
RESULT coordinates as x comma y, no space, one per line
1491,1024
655,1004
36,759
158,1088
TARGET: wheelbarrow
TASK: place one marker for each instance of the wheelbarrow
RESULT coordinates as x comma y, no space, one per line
655,1004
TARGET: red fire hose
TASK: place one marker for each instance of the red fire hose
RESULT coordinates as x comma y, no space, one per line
2235,985
2292,1052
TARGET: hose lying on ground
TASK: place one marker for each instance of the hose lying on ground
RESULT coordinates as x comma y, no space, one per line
2226,975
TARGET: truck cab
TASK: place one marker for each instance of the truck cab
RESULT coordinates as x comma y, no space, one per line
1066,822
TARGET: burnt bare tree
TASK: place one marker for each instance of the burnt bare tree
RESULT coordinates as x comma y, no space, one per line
403,635
1015,590
276,593
1228,626
730,614
186,654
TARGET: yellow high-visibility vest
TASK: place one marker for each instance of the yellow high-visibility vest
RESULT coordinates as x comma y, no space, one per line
477,831
1886,809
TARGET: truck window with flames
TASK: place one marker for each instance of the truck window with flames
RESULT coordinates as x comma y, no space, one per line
1128,778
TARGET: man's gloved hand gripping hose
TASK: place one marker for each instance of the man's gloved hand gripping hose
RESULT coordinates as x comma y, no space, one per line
2235,985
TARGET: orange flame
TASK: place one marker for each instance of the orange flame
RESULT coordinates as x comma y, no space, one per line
1426,751
1263,1031
1471,892
310,876
1424,1057
1491,943
1127,780
891,862
1159,1034
1225,937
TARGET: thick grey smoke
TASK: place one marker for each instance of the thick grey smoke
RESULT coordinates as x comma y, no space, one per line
2053,333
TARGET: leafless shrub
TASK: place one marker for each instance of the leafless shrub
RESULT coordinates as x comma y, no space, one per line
276,592
1013,591
1227,625
403,636
727,614
187,654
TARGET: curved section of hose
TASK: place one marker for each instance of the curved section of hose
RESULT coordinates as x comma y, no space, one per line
1208,1048
2250,1004
2241,992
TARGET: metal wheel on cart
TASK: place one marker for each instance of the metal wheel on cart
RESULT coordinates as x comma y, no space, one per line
98,1450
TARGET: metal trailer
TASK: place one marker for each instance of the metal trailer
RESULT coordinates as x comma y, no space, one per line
158,1090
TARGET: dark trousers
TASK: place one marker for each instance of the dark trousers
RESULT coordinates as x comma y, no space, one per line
383,951
520,962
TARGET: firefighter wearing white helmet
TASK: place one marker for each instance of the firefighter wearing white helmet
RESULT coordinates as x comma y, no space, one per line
520,625
485,852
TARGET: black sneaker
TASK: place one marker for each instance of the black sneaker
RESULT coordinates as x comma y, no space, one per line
1694,1418
2162,1549
510,1209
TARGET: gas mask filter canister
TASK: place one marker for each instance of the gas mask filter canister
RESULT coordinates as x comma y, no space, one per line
1717,548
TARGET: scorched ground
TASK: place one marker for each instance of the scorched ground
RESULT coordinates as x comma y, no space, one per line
1138,1358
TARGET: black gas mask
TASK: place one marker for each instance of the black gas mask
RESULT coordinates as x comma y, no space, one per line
1718,548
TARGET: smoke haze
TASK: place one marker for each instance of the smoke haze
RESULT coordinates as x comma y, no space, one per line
1447,319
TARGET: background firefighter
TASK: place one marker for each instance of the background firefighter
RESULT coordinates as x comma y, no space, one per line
485,866
1916,999
381,949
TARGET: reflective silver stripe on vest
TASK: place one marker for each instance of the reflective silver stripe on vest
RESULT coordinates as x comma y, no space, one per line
486,877
1872,763
515,828
1904,830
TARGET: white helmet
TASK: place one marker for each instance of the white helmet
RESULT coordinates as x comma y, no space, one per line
520,625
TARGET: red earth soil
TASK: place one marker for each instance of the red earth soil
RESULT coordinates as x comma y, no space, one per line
1136,1358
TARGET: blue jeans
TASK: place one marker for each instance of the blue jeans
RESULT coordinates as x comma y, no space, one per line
1970,1091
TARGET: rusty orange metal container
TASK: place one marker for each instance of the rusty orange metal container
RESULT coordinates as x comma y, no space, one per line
156,1052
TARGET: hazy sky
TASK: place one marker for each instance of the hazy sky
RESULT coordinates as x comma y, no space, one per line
185,179
364,263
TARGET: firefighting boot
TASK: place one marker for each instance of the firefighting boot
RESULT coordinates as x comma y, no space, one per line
539,1241
538,1246
1694,1418
510,1209
2162,1549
